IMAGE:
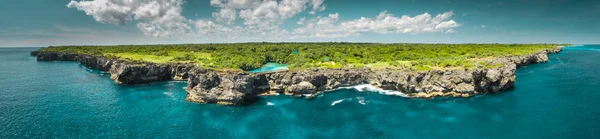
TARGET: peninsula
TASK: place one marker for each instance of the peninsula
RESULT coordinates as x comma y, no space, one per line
220,73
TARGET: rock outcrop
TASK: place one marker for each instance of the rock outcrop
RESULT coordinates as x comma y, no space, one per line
94,62
52,56
131,74
123,72
206,86
234,88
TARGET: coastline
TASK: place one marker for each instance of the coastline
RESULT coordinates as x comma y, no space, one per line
236,88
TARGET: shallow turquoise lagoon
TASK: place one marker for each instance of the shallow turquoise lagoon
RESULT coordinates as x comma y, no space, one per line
269,67
558,99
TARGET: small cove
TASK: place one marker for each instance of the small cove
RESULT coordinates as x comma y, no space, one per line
270,67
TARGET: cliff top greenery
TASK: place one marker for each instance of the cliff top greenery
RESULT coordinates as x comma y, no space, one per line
247,56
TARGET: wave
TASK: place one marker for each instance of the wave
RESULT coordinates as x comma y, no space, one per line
371,88
270,104
361,100
338,101
169,94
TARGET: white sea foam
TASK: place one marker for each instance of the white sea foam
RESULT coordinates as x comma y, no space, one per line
168,94
361,100
368,87
270,104
337,101
175,81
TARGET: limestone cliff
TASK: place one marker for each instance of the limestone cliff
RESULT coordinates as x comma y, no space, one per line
207,86
233,88
121,71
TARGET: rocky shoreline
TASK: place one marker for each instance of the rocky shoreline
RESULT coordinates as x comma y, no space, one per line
236,88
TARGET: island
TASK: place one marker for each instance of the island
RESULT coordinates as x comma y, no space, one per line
229,74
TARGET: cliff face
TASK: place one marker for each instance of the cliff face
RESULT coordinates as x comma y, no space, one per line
234,88
206,86
231,88
121,71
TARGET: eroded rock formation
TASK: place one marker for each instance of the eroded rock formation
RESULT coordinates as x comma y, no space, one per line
121,71
233,88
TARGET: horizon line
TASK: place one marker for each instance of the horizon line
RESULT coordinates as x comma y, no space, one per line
158,44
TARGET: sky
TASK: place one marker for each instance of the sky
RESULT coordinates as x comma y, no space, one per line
38,23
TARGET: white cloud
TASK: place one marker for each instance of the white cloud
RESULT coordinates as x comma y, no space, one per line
301,21
387,23
322,27
225,15
159,18
104,11
209,27
317,5
262,20
263,13
384,23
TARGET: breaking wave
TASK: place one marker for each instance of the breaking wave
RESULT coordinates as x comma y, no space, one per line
360,100
337,102
371,88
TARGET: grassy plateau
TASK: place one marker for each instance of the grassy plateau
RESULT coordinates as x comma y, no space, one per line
248,56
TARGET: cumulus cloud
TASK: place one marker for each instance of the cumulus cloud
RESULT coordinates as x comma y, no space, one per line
323,27
209,27
225,15
301,21
387,23
317,5
104,11
262,13
384,23
159,18
262,20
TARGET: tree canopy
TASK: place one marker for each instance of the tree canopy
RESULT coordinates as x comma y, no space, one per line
247,56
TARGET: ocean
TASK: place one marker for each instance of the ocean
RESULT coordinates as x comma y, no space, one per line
558,99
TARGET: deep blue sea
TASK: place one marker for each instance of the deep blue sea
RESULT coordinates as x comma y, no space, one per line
559,99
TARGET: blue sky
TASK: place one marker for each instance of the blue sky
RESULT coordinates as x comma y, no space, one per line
107,22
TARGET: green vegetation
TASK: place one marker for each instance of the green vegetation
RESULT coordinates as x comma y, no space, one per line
247,56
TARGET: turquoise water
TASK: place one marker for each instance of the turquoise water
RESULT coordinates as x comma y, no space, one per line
63,99
270,67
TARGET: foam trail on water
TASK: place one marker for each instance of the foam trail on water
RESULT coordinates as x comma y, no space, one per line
270,104
169,94
361,100
176,81
337,102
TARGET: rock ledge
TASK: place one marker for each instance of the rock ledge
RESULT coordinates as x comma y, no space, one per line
235,88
